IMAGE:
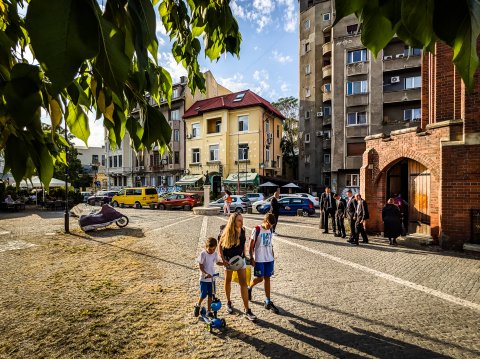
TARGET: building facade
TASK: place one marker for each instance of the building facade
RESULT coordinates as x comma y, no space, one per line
435,166
235,138
345,95
93,160
125,167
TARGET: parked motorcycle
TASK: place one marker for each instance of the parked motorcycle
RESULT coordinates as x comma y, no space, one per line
103,218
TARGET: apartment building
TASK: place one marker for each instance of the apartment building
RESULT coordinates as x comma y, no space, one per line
235,138
346,95
125,167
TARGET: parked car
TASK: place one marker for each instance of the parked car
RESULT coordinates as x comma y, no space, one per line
258,204
253,197
239,204
294,203
86,195
314,199
136,197
180,200
101,197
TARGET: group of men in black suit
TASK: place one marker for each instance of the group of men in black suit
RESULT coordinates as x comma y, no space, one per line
354,209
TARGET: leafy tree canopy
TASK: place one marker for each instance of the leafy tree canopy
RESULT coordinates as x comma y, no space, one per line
100,59
420,23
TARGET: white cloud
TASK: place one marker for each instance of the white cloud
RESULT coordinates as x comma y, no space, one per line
262,85
283,59
289,15
284,87
264,6
166,60
238,10
234,83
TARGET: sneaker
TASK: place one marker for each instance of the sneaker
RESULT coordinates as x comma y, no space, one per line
249,315
229,308
210,314
272,307
196,310
249,293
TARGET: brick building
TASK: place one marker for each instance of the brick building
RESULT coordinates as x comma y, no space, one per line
435,166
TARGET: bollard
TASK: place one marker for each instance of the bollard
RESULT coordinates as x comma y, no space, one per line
249,210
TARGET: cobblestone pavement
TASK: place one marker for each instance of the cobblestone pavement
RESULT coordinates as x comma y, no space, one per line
336,300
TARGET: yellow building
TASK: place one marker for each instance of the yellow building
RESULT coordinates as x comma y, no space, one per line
235,137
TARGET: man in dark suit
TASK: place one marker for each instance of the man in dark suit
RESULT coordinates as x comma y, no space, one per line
328,207
350,209
340,216
361,216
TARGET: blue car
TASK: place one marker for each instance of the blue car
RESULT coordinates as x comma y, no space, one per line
295,203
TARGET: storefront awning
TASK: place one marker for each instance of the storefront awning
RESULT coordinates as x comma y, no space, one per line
188,180
245,178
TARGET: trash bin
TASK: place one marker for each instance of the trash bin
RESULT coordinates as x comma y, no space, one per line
249,210
300,212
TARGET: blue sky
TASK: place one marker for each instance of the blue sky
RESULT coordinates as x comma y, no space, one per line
268,63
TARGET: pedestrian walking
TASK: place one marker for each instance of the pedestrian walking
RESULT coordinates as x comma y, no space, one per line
262,258
351,208
206,263
232,244
392,221
275,208
328,208
340,216
361,216
227,202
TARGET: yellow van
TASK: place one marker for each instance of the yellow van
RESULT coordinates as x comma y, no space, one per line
136,197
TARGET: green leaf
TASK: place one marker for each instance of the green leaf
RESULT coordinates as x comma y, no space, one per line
55,111
111,62
166,85
377,31
417,17
16,156
77,122
63,33
136,132
45,170
156,128
143,16
344,8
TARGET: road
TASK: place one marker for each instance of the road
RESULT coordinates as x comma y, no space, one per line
336,300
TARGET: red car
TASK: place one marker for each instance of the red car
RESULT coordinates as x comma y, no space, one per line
179,200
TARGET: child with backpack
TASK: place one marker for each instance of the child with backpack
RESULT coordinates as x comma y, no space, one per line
262,258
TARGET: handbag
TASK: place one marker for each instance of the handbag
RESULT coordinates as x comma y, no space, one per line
248,275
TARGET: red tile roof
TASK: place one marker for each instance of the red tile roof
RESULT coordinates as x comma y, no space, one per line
227,102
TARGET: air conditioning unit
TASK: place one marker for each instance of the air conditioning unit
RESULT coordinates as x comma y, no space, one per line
319,133
189,136
395,79
319,114
399,56
388,57
142,168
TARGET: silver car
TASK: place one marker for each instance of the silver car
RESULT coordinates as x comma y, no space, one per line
239,204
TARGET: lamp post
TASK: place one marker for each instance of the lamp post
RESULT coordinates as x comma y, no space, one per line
66,214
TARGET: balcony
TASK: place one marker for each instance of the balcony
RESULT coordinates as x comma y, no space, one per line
270,165
327,121
357,68
326,48
327,96
354,162
327,71
327,144
326,167
402,96
395,64
356,100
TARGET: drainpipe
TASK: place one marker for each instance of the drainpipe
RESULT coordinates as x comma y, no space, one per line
262,134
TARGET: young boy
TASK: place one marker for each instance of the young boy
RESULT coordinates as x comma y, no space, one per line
206,262
262,258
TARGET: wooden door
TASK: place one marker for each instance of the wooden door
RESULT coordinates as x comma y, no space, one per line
419,198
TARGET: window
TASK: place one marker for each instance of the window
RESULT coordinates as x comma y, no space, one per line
176,156
326,16
307,69
279,163
328,87
326,158
357,56
213,152
195,155
196,130
357,87
307,179
307,47
94,159
307,114
218,125
267,126
413,82
115,162
307,92
307,158
103,160
356,118
326,134
327,38
242,123
326,180
356,149
352,29
239,97
352,180
327,111
267,154
176,135
176,93
175,115
109,161
412,114
412,51
306,24
119,160
278,131
307,138
243,152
